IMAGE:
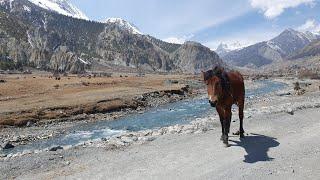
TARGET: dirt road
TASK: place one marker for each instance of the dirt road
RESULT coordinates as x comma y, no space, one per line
277,147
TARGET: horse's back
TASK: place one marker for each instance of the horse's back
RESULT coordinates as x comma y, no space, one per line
236,77
237,83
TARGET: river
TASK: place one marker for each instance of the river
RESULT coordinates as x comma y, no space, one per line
182,112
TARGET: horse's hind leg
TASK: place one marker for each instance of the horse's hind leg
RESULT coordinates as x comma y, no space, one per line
226,124
222,128
241,130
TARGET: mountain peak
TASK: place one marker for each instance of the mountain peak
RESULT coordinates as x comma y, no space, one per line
224,48
294,34
123,24
290,30
63,7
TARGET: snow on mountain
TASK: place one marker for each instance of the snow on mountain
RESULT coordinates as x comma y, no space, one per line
63,7
174,40
2,2
291,40
123,24
225,48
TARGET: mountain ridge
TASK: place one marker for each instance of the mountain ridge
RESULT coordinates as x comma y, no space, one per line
273,51
51,41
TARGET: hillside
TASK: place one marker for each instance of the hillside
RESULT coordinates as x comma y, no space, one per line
313,49
44,39
273,51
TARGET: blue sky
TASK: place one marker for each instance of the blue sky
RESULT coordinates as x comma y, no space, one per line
209,21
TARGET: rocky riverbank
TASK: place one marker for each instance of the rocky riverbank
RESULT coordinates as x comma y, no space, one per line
37,107
271,103
270,111
108,110
276,102
51,129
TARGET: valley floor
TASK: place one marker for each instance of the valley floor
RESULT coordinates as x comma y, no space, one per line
38,96
278,145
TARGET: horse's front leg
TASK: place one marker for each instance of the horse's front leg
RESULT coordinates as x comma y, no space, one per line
227,122
221,117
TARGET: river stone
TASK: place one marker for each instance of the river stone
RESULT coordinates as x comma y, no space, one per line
290,111
157,133
7,145
188,127
145,139
3,155
147,132
172,130
29,124
127,139
55,148
15,139
116,141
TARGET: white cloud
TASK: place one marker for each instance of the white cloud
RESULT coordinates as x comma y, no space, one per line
273,8
310,25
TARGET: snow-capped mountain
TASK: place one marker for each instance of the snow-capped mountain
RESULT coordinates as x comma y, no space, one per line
223,48
123,24
291,40
274,50
60,6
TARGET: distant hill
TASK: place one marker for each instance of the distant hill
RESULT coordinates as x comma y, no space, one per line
272,51
313,49
42,38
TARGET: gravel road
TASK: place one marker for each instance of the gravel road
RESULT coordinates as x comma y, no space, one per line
277,146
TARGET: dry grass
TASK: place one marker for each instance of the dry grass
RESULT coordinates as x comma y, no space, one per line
29,99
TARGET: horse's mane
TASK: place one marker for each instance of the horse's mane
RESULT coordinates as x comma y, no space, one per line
221,74
216,71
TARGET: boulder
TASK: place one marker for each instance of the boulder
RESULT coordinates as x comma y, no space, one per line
290,111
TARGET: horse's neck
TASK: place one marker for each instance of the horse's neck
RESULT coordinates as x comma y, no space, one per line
225,81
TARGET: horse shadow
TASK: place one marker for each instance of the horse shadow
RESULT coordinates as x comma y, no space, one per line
257,147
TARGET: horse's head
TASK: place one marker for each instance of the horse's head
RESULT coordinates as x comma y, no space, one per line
212,78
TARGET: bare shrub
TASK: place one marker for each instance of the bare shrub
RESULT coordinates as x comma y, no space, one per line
56,86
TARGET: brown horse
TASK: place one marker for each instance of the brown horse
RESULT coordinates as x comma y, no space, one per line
224,90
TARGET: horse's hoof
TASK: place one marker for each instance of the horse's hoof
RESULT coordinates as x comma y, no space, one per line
226,144
221,138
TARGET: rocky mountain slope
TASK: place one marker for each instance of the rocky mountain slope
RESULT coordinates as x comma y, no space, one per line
123,24
312,49
60,6
272,51
47,40
192,57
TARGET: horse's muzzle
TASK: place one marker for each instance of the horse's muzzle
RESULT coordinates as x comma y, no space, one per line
213,103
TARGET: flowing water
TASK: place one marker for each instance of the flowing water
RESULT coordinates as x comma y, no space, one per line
182,112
